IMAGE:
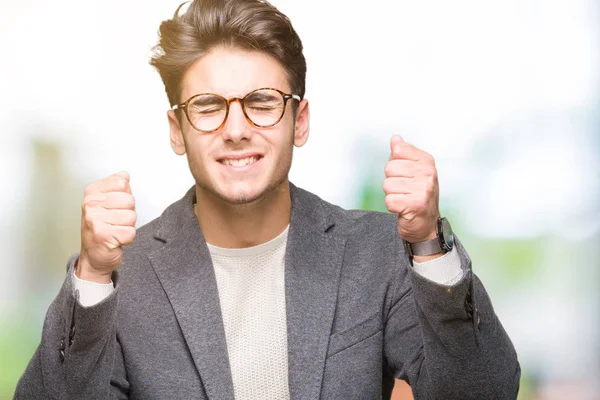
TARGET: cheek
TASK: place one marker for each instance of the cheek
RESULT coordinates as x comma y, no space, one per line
286,133
282,141
196,149
285,146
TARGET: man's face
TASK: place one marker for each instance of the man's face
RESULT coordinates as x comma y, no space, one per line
238,163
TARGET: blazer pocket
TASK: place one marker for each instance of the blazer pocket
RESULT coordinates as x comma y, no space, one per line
363,330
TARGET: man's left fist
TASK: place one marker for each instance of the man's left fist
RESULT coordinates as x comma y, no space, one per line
412,191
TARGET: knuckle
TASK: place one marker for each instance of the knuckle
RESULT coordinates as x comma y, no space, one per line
130,201
118,183
431,183
429,190
87,203
95,234
390,169
128,234
434,172
88,217
387,169
389,201
420,203
89,189
386,185
132,218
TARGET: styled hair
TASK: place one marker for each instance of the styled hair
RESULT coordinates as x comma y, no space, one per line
243,24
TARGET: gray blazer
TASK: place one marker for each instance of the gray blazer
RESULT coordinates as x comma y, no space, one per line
357,316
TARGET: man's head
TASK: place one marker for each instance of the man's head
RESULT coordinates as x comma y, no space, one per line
230,48
244,24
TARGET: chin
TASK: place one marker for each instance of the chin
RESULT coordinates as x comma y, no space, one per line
242,198
239,194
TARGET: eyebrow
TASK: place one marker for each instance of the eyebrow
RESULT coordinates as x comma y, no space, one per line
206,100
257,96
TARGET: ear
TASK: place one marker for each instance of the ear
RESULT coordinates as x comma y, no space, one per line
302,124
176,134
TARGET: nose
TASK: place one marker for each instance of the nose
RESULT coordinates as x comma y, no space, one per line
236,127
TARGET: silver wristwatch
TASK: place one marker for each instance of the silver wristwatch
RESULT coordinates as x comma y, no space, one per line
443,242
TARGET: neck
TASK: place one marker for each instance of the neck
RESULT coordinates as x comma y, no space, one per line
243,225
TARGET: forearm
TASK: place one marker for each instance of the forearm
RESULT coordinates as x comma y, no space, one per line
75,356
466,351
457,347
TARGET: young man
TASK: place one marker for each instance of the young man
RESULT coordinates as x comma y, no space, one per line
249,287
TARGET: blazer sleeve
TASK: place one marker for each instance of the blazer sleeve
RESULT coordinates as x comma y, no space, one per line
446,341
76,356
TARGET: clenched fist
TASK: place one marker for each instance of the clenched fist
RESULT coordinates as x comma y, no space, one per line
107,224
411,190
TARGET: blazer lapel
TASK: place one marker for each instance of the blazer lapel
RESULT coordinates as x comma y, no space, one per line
184,267
312,272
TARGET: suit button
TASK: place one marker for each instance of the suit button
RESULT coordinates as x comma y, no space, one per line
62,350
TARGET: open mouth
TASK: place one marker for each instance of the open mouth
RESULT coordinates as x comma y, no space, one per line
240,162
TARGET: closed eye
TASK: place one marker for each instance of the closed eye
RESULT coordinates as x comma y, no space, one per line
262,108
213,110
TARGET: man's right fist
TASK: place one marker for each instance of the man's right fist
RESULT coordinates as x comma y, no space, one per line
107,224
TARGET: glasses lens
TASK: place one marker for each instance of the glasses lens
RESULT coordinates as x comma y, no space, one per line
207,112
264,107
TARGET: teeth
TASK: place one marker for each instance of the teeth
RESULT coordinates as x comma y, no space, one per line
242,162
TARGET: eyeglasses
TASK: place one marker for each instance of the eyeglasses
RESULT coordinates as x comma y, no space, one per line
263,108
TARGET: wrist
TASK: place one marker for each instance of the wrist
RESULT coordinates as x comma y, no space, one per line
84,271
438,243
428,232
432,235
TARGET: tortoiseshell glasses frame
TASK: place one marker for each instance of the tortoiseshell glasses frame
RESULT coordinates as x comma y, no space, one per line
215,100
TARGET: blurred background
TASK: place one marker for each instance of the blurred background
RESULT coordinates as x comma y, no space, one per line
504,93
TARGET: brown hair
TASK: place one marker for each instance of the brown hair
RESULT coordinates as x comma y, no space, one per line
245,24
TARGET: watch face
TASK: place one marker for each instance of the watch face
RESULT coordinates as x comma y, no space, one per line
447,234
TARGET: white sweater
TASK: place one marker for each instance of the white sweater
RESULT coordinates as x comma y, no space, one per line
252,294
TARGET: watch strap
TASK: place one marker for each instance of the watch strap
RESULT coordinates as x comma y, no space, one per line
425,248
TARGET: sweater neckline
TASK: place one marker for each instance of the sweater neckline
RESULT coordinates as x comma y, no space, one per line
250,251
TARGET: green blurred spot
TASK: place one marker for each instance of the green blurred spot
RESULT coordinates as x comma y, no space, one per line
17,345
